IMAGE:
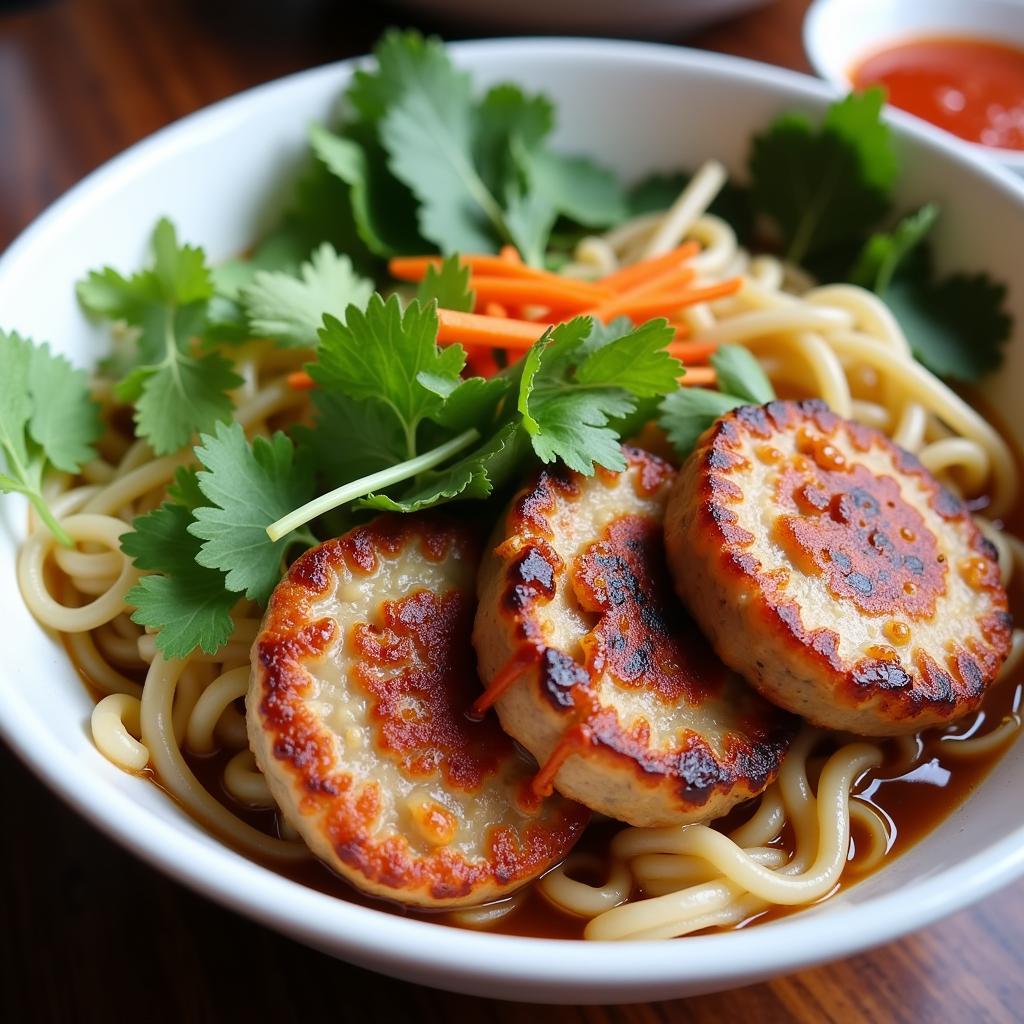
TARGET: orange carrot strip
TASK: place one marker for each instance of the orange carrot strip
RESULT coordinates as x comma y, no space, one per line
521,662
510,254
692,351
698,377
481,361
560,297
666,303
414,268
300,381
494,332
495,309
629,277
669,281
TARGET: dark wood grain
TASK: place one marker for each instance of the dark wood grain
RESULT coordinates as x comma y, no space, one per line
87,933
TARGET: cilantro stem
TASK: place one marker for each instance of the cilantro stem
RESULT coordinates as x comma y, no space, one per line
49,519
368,484
28,480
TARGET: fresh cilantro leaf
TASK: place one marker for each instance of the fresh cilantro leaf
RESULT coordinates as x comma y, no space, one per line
578,188
406,61
290,309
428,137
189,611
636,360
565,420
383,208
105,293
529,218
383,355
740,375
475,401
184,489
957,326
688,412
182,397
249,487
65,420
176,392
47,419
15,400
187,603
475,476
320,209
447,285
509,126
824,188
351,438
884,252
685,414
480,171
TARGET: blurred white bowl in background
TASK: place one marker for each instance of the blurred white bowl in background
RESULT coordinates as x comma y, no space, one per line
602,17
838,34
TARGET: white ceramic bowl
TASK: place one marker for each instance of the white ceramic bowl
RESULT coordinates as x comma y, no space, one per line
640,108
840,33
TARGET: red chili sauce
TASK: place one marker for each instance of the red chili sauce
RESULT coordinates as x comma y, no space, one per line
973,88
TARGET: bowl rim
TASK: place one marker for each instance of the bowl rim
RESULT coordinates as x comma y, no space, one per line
448,956
812,32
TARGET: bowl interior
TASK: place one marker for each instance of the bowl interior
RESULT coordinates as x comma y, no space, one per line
641,109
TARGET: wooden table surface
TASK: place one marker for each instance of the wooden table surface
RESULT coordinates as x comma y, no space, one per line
87,933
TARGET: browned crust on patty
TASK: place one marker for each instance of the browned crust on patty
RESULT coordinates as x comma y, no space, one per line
640,639
869,548
421,645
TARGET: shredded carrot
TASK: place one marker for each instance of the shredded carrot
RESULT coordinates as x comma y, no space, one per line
521,661
414,268
668,281
300,381
510,254
666,303
561,297
699,377
495,309
629,277
692,351
481,361
494,332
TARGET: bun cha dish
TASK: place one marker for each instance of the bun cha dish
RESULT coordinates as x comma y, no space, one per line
503,543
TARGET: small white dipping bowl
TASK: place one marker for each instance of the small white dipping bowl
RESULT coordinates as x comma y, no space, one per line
639,108
838,34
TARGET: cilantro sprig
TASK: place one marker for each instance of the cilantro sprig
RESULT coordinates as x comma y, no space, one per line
177,391
562,402
827,192
823,187
685,414
289,308
48,420
470,173
184,600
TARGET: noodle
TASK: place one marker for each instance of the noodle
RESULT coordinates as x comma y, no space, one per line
115,726
836,342
166,759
